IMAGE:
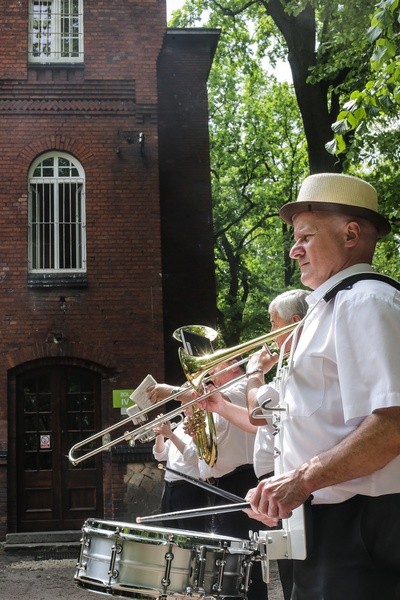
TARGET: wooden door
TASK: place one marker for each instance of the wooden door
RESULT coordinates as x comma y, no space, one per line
56,407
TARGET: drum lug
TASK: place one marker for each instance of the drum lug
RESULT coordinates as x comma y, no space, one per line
85,546
247,565
220,563
113,573
200,569
169,557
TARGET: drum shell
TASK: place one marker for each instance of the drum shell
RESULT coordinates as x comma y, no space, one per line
144,562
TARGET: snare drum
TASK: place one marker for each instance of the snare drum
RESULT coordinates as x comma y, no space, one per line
144,562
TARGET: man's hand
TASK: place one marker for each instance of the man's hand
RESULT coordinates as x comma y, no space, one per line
163,429
263,359
161,391
213,403
277,497
158,392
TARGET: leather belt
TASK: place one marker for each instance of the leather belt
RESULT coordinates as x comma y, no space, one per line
239,469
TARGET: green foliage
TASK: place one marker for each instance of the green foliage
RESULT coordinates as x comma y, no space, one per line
258,158
376,159
258,143
341,43
366,128
381,93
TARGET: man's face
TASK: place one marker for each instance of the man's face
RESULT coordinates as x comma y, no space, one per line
319,246
222,378
277,323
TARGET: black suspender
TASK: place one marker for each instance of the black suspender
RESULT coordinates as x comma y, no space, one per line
347,283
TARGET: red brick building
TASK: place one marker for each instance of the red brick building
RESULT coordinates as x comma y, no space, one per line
105,238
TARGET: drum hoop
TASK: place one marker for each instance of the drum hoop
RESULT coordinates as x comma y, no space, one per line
181,538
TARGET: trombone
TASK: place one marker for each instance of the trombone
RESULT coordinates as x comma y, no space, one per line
196,370
128,436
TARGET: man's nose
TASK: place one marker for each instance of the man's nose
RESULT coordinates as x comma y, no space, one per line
296,251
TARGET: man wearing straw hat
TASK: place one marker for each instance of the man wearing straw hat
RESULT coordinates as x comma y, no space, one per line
341,432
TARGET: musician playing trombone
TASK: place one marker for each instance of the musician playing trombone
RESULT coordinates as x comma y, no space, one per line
233,471
341,431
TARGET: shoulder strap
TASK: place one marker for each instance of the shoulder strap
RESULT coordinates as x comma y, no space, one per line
347,283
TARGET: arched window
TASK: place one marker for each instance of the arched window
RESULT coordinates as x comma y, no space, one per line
57,241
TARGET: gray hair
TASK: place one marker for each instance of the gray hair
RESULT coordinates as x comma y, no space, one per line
292,302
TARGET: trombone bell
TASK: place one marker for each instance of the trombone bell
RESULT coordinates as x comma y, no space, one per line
200,330
196,367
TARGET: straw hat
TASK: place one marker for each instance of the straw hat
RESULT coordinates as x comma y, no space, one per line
337,193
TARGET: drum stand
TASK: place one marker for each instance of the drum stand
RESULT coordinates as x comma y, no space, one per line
286,543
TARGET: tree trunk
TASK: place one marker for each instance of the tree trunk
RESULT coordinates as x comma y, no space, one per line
299,34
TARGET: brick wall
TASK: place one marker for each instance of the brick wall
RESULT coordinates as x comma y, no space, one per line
88,111
94,112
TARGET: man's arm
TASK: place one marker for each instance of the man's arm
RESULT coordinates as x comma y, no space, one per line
367,449
237,415
161,391
259,364
165,430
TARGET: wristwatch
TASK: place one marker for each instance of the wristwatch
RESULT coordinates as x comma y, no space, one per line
254,372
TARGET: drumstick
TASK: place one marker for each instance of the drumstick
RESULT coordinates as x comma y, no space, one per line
194,512
204,485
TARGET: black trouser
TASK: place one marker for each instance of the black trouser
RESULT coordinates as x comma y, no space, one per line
182,495
353,551
237,524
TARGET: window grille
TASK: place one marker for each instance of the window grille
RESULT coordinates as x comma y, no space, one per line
56,31
57,241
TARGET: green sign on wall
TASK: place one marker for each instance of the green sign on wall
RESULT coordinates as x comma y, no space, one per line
121,398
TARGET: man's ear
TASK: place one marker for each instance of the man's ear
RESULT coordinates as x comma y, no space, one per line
352,233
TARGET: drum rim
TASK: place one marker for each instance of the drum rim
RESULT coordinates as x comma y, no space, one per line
107,523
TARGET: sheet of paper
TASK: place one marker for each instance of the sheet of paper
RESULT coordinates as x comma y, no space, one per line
141,399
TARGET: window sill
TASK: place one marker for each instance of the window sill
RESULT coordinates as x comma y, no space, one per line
55,65
57,280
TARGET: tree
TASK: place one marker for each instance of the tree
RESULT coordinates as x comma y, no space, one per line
265,134
259,158
325,44
367,132
380,95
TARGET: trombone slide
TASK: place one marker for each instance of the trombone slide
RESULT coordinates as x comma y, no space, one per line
105,434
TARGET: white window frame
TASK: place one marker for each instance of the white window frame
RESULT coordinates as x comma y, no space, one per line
59,38
56,215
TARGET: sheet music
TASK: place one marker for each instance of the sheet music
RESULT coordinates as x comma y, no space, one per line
141,399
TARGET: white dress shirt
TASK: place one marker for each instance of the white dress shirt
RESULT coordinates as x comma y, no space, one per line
186,463
235,446
345,366
263,458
